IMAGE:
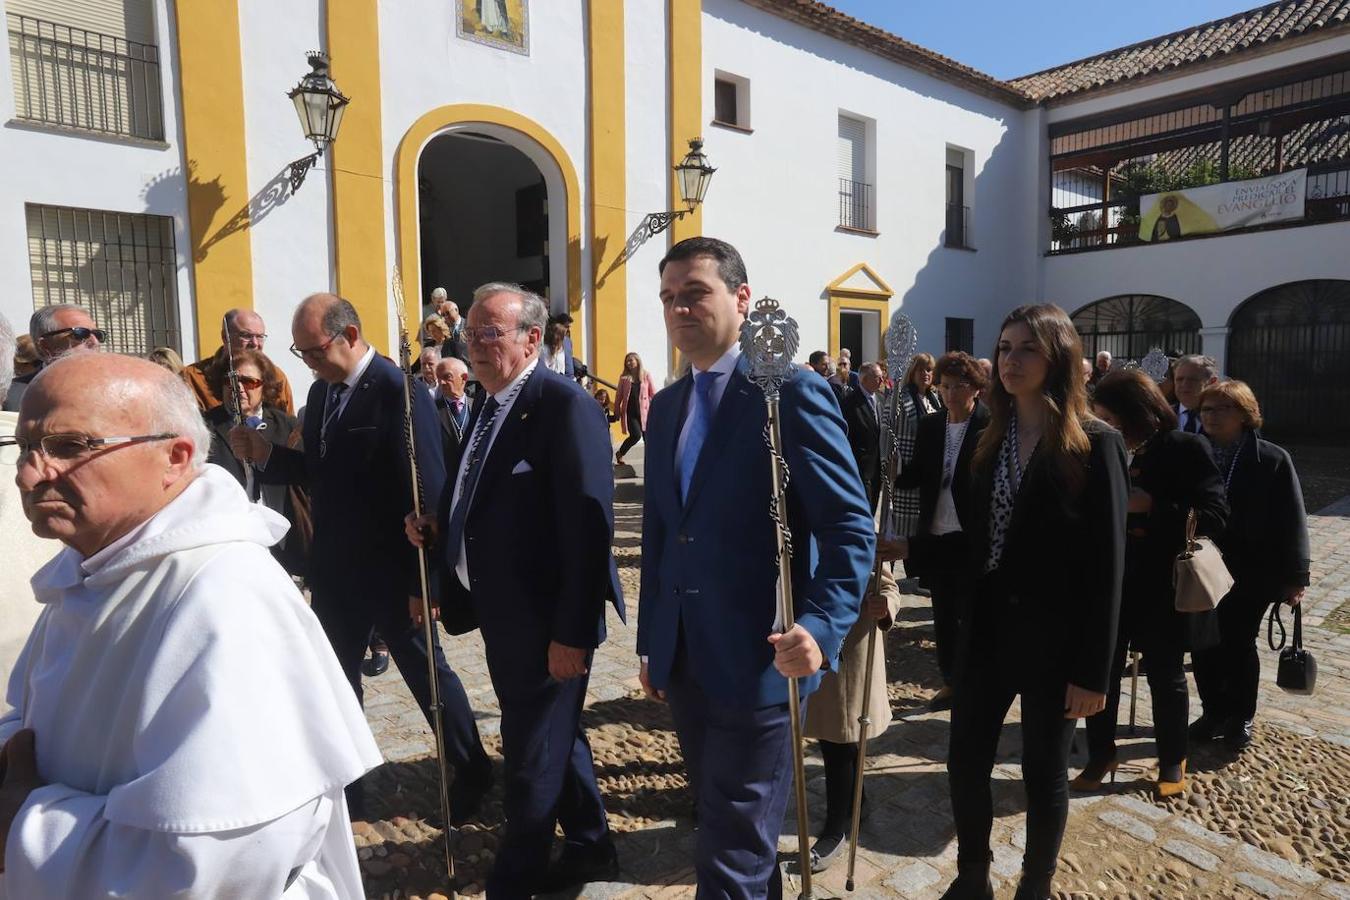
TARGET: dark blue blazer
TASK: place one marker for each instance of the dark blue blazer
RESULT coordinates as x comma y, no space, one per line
362,488
540,528
709,566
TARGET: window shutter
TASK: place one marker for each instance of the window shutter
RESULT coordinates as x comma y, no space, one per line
852,149
132,20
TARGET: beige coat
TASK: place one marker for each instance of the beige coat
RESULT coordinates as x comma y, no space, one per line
832,711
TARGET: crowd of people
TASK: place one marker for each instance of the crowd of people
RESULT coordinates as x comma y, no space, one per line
183,721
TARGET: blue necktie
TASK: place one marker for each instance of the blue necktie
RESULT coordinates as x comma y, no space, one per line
700,419
454,532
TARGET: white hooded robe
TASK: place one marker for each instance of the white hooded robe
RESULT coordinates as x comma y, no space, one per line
192,725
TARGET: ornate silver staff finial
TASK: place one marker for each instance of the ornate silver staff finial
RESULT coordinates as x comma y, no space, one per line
1155,364
901,342
769,338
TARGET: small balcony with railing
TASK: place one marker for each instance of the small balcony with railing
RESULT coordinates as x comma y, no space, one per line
1104,168
71,78
855,205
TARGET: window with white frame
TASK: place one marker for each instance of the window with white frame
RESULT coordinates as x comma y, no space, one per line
731,100
956,232
856,165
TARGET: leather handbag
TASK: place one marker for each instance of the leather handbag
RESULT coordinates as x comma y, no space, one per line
1199,575
1297,673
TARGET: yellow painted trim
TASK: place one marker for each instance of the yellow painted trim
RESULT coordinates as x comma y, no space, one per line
859,299
608,187
839,302
837,285
405,192
211,84
357,161
684,55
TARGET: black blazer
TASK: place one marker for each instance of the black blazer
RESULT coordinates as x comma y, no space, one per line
864,438
539,529
1063,557
451,434
1177,470
1266,542
361,489
925,472
277,497
1200,426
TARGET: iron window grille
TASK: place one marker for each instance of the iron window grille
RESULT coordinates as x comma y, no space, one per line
122,267
855,204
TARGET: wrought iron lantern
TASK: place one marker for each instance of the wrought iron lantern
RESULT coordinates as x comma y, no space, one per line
694,175
320,106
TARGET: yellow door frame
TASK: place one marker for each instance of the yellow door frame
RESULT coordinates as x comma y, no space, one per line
876,300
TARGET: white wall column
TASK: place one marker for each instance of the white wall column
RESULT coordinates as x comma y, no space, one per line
1214,342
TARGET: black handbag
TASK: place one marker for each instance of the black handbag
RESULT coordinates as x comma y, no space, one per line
1298,667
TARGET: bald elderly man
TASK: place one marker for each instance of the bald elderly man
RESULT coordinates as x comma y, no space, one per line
242,329
180,727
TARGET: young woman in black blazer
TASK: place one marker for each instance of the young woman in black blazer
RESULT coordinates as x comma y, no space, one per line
1047,555
1171,473
1265,547
940,470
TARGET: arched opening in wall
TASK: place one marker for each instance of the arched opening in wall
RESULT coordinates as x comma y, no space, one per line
1130,325
486,210
1291,343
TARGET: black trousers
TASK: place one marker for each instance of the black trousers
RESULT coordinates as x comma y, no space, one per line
943,558
634,430
1166,675
1229,674
841,773
348,622
998,670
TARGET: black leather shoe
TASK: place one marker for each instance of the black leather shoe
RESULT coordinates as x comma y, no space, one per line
376,664
581,865
970,886
1237,734
467,793
1205,728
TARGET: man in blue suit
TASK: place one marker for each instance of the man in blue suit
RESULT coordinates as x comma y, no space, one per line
360,568
524,534
708,635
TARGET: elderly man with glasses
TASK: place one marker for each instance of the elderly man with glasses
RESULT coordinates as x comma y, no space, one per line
361,568
172,658
56,330
242,329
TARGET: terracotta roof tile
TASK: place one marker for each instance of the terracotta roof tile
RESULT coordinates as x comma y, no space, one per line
1265,24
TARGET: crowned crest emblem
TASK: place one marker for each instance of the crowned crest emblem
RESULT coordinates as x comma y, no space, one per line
769,338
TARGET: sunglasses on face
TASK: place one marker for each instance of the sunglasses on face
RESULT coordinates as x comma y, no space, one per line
79,333
248,382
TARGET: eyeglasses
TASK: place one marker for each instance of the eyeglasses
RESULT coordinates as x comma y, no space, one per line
67,447
311,352
1216,410
248,382
79,333
489,334
250,337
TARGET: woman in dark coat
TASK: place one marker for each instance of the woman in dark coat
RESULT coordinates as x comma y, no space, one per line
1265,547
1046,562
1171,473
258,405
938,549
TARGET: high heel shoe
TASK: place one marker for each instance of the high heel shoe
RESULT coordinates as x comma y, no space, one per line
1093,774
1167,788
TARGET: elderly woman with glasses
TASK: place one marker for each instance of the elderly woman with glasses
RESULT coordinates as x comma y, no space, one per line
1265,546
255,399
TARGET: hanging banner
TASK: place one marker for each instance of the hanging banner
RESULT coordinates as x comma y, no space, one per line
1222,207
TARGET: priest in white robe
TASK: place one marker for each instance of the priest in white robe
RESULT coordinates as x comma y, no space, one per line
180,727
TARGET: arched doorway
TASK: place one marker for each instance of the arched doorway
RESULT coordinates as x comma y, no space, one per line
483,215
1130,325
1291,343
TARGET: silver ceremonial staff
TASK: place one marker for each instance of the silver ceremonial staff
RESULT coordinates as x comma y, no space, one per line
769,339
901,341
428,626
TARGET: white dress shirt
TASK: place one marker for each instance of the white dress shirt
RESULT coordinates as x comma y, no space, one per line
724,366
506,398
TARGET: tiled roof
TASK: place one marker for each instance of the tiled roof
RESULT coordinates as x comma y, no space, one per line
828,20
1212,41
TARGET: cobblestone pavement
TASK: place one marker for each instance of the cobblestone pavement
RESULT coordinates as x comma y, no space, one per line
1274,823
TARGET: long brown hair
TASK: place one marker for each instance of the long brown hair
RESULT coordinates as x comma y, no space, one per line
1063,440
637,376
1136,402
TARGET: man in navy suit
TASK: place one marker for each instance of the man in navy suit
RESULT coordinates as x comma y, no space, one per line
524,533
1191,375
360,567
708,635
